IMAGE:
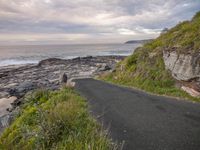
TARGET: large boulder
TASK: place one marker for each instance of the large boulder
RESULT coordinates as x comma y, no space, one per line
184,67
104,67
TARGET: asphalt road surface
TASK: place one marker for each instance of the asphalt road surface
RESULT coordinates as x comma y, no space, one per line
142,121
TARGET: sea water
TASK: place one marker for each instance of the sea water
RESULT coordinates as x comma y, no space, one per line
26,54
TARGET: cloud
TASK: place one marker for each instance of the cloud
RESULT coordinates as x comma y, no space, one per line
90,20
126,31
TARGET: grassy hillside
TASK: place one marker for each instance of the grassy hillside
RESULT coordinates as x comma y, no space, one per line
184,38
145,69
54,120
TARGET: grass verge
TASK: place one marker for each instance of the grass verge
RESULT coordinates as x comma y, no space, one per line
147,72
148,86
56,120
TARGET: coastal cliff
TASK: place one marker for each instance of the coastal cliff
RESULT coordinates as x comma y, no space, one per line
184,68
169,65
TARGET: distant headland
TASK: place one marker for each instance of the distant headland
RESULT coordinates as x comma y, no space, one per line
138,41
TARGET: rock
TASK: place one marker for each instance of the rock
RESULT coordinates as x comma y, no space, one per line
76,59
191,91
3,75
105,68
50,61
17,80
11,85
183,67
5,103
26,86
4,94
87,57
22,89
114,70
4,122
63,78
151,55
15,103
70,83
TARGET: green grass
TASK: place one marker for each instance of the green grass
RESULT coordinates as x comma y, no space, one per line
55,120
148,85
184,37
145,69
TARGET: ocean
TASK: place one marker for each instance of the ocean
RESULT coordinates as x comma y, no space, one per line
26,54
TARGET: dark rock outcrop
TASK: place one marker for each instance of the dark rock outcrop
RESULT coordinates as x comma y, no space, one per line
16,81
21,89
49,74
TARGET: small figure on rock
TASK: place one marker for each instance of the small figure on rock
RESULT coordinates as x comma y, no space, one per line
63,79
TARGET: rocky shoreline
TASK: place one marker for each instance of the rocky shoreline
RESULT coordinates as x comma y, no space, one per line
16,81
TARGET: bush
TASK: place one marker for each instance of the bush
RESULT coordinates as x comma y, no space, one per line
55,120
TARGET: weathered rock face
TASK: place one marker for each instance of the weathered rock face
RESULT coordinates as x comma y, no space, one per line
185,68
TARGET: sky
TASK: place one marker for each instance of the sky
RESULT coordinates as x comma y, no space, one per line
89,21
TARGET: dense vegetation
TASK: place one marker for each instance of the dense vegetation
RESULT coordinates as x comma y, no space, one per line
145,68
54,120
184,38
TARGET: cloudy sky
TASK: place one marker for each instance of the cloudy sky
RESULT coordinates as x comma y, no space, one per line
89,21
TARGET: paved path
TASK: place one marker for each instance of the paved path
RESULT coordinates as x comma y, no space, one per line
143,121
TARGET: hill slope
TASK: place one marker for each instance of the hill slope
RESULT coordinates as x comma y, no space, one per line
166,64
54,120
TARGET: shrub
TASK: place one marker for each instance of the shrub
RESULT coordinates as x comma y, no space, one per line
55,120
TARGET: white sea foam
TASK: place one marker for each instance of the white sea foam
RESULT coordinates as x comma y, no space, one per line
32,54
17,62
